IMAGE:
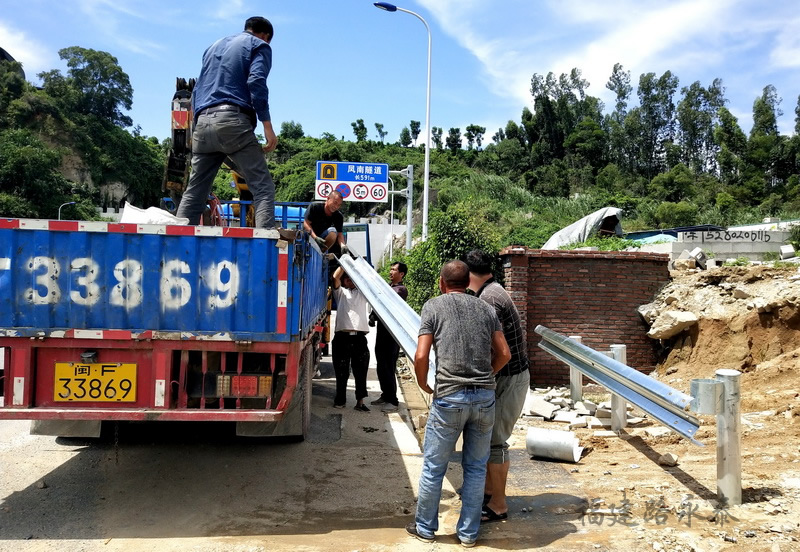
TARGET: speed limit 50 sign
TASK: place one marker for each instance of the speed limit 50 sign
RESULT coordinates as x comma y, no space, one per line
355,181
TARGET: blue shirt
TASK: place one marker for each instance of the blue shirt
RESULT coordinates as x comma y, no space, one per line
235,71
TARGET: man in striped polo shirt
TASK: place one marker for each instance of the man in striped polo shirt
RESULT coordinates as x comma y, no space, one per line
513,382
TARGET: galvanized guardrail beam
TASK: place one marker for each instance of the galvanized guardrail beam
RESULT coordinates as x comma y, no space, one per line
399,318
660,401
663,403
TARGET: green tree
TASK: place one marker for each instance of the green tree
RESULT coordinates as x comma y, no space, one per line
291,130
657,120
672,186
697,115
95,85
474,135
454,140
797,117
29,172
360,130
436,133
620,84
381,133
732,144
589,142
405,137
415,129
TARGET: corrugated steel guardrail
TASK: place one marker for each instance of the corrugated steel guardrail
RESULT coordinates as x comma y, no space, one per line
660,401
397,315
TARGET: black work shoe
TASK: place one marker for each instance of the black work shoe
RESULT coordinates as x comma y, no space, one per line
361,408
411,529
379,400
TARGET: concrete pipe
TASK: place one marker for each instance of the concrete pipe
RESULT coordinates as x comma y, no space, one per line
553,444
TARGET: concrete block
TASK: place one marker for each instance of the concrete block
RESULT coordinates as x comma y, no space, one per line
603,413
565,416
537,406
657,431
586,405
699,256
787,251
592,422
578,422
604,434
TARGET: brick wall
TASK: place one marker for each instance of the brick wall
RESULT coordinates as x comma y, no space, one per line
593,294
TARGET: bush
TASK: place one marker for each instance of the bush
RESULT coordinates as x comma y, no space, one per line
670,215
12,206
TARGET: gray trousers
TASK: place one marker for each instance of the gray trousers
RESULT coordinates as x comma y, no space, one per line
227,134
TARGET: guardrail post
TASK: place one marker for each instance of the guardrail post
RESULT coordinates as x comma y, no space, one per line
619,407
575,378
729,456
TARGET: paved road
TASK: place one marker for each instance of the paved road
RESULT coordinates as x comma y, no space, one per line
178,487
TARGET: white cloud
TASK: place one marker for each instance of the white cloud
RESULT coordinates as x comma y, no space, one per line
632,33
107,18
33,55
786,53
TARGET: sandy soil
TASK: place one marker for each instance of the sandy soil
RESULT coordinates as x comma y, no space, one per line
748,321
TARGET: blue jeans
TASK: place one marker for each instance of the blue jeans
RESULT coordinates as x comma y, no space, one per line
227,134
470,411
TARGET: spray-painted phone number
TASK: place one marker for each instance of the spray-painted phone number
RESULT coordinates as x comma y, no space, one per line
175,291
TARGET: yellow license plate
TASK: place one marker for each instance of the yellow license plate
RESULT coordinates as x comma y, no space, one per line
96,382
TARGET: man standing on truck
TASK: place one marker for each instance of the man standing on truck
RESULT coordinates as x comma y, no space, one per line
512,381
386,348
325,223
350,339
230,95
470,349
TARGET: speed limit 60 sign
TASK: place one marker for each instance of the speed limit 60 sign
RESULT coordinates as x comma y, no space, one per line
355,181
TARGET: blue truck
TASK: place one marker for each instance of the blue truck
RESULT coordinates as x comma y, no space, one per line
105,321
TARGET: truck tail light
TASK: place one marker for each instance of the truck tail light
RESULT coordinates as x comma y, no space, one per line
244,386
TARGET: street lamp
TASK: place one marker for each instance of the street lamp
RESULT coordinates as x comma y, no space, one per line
391,8
62,205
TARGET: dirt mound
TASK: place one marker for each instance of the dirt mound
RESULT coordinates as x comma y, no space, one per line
748,320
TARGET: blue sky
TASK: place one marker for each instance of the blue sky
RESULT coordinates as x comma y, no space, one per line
336,61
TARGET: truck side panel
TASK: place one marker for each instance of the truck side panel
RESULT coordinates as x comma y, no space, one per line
249,288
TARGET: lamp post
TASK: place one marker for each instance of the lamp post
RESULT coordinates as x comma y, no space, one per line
62,205
426,174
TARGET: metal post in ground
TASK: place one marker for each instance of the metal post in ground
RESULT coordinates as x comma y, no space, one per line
575,378
619,408
729,454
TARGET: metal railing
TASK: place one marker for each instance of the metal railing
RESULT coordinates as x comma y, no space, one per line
661,402
399,318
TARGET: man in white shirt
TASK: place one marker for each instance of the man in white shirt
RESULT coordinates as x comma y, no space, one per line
350,339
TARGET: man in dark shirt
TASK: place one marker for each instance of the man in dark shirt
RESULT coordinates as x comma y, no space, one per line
325,223
513,382
230,94
386,348
470,349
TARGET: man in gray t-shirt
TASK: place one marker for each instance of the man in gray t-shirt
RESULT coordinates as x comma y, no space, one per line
470,348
